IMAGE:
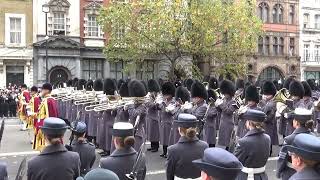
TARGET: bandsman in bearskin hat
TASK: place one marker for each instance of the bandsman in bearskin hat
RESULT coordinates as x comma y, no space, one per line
152,117
253,149
268,106
98,85
167,106
75,82
307,97
89,85
227,108
240,87
188,83
314,89
81,84
303,124
122,115
189,148
213,83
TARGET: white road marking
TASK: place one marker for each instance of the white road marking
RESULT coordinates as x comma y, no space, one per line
156,172
19,153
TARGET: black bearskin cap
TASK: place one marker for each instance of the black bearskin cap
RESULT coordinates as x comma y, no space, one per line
287,82
120,82
136,89
188,83
212,94
145,84
81,83
75,82
34,89
124,91
161,81
109,86
307,89
252,94
153,86
177,83
213,83
69,83
268,88
89,85
47,86
312,84
276,84
206,78
168,89
199,90
98,85
296,89
239,84
182,93
227,87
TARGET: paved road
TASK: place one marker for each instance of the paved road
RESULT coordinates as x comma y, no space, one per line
16,145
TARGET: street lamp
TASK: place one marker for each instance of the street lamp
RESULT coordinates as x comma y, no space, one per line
46,9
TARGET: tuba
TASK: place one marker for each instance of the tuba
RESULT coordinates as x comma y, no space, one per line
282,96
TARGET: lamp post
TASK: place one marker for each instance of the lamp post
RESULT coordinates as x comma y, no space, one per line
46,9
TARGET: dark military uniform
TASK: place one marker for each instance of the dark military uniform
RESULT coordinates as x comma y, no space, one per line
87,154
307,174
3,171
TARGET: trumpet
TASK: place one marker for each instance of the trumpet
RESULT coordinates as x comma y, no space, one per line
239,102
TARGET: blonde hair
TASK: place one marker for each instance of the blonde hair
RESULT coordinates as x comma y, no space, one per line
189,132
125,142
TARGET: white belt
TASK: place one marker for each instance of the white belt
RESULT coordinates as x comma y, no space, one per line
252,171
289,165
177,178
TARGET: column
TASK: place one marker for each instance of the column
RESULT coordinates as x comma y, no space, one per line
106,69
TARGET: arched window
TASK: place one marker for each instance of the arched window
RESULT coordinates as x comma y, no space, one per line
270,74
281,46
260,45
277,13
267,45
291,14
275,46
263,12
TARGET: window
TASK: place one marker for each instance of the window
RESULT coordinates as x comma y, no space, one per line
260,45
93,29
267,45
312,75
263,12
306,52
116,70
291,47
92,69
15,30
317,53
306,20
291,14
277,13
59,23
317,21
120,31
145,70
270,74
281,46
275,46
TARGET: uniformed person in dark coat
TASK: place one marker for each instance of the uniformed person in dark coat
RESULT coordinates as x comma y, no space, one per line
307,97
303,123
253,159
166,115
240,88
188,83
55,161
180,156
122,160
3,171
219,164
209,129
80,145
99,174
305,155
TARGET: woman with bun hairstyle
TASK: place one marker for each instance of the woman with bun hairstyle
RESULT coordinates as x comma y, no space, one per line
189,148
122,160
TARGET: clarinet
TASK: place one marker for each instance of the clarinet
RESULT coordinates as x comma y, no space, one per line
203,120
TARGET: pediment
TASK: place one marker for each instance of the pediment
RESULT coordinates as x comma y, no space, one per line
59,42
92,6
59,3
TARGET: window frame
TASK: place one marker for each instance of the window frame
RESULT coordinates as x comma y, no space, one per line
317,21
317,52
59,24
306,52
291,17
143,70
277,14
263,10
114,72
87,68
89,26
7,30
306,20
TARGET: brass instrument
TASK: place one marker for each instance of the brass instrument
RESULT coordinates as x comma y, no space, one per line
282,96
239,102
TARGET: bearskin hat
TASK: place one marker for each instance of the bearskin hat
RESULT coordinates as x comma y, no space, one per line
75,82
160,81
188,83
212,94
34,89
296,89
307,89
268,88
120,82
168,89
240,84
124,91
47,86
206,78
153,86
98,85
276,84
81,83
213,83
177,83
109,86
287,82
145,84
183,94
252,94
312,84
69,83
199,90
227,87
89,85
136,89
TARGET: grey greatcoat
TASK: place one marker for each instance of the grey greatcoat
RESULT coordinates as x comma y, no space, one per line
283,171
209,131
166,121
87,154
101,131
108,118
307,174
152,120
54,162
121,162
3,171
122,115
308,103
138,123
253,157
180,157
270,124
92,123
226,121
296,104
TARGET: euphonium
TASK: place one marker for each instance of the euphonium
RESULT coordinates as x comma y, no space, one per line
282,96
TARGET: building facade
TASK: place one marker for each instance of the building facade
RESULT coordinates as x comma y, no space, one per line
277,54
16,65
310,39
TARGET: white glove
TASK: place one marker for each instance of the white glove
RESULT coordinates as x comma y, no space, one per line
281,107
170,108
218,102
285,115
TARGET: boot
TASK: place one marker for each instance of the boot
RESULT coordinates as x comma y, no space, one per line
154,146
212,145
164,153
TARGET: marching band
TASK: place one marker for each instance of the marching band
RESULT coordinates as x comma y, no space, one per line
187,118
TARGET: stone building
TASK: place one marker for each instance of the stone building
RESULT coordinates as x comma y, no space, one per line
310,39
16,66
